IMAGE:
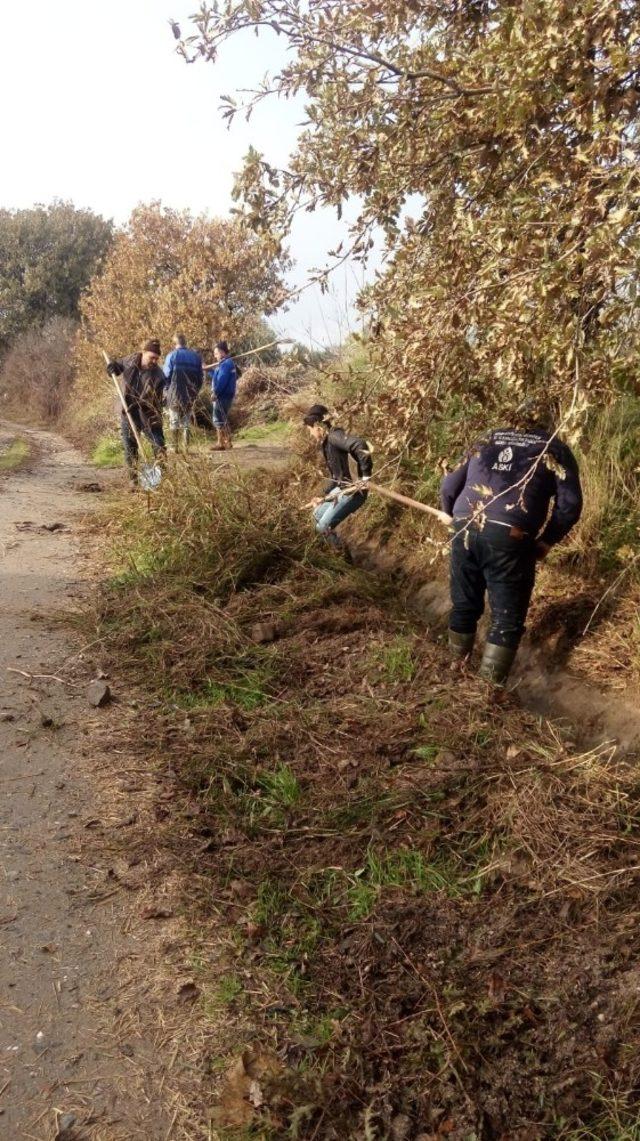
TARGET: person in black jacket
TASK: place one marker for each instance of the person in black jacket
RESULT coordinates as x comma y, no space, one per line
331,509
500,498
143,390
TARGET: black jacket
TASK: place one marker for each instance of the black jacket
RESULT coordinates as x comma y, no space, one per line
337,446
143,388
512,477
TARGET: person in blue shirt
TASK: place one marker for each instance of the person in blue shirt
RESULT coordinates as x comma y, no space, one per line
515,495
184,376
224,378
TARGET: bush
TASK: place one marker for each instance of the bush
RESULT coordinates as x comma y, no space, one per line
609,529
37,374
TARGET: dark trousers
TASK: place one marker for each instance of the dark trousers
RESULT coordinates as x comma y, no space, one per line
153,432
497,561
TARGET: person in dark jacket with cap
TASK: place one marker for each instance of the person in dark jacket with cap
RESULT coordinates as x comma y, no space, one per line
143,387
516,494
184,376
224,378
336,505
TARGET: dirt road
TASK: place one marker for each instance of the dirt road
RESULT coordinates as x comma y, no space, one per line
66,1069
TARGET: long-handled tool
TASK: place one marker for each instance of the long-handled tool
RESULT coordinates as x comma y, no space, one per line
252,352
367,485
441,516
149,474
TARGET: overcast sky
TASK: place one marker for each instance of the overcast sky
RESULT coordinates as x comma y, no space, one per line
98,109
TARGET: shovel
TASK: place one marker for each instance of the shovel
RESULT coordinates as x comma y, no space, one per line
367,485
149,475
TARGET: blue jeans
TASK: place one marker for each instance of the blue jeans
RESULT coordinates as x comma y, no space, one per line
220,411
501,563
329,515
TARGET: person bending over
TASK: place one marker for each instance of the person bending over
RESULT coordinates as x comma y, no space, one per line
516,494
336,505
143,387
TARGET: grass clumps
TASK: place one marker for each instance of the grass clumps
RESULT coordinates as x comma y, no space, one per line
425,902
108,452
276,432
15,454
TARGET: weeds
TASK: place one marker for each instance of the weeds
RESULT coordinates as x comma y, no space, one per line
228,990
280,788
108,452
428,913
396,660
610,523
275,433
15,455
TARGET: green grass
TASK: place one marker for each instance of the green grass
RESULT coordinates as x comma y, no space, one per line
16,454
280,788
396,659
426,752
108,452
406,868
246,687
274,433
272,902
228,989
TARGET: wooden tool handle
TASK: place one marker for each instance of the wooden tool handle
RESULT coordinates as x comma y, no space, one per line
124,406
441,516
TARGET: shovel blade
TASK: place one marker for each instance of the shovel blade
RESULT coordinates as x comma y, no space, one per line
150,477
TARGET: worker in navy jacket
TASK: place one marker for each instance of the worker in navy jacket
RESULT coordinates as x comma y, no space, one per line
516,494
224,378
184,377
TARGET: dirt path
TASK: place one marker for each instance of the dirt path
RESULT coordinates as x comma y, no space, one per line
63,934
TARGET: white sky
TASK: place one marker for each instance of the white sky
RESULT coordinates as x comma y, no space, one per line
98,109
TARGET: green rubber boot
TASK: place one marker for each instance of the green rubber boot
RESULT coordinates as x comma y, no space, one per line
460,645
497,662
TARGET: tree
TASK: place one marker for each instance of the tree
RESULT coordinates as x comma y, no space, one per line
514,127
48,255
169,272
36,374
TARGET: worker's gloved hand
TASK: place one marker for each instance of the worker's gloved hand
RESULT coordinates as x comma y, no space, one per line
114,369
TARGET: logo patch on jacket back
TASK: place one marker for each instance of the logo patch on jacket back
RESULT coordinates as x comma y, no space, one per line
505,458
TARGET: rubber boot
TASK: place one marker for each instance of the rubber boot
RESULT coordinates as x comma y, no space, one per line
227,438
174,436
220,446
186,436
460,645
496,663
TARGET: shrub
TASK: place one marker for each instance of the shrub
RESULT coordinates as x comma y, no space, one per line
37,373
